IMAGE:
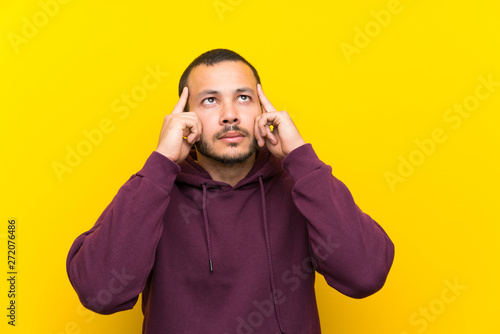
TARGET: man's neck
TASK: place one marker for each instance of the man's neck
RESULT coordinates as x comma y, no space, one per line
228,173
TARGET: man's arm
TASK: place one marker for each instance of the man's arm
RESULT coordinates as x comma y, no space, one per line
108,266
352,251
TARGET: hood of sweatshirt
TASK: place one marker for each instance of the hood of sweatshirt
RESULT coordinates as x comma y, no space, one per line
266,165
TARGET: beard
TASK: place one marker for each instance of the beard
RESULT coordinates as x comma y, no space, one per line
207,150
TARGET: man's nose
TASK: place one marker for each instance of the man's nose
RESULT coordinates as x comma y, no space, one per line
229,114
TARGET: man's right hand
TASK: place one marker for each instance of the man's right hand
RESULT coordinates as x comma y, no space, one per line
179,132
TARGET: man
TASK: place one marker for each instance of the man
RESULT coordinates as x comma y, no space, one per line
226,237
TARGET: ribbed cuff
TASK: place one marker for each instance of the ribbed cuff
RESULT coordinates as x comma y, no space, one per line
301,161
160,170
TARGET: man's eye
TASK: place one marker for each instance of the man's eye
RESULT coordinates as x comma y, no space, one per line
209,100
244,97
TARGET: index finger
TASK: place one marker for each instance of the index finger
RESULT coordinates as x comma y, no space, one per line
179,106
266,104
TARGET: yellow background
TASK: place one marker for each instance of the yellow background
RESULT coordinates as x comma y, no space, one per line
362,112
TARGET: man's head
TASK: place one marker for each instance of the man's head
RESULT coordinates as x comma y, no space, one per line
211,58
223,93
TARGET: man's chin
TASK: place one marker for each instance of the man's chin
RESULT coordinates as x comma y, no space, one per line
232,153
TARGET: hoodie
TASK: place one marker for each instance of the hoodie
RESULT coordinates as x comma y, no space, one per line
212,258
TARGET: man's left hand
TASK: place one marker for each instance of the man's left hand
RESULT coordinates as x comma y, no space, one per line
284,137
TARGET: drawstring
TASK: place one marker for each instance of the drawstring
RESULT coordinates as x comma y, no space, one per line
207,229
268,245
269,259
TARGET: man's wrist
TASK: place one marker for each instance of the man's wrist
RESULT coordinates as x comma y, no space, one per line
301,161
160,170
296,146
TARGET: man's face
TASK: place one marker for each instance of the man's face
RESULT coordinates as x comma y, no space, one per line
225,99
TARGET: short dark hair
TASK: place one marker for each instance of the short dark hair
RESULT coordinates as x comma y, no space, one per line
210,58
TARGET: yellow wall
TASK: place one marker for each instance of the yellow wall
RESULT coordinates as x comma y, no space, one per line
370,83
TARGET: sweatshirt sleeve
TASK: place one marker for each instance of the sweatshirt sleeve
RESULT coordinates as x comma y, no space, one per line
108,265
352,251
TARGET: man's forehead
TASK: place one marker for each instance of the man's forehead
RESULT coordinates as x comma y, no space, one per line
227,72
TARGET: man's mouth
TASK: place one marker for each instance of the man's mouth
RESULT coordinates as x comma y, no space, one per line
232,136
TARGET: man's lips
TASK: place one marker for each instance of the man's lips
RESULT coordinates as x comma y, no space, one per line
232,136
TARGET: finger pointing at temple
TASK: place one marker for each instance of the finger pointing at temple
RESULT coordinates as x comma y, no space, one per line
267,106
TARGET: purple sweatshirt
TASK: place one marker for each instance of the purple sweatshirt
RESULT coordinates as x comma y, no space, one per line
211,258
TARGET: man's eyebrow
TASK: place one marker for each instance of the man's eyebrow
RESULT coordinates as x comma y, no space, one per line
208,92
245,90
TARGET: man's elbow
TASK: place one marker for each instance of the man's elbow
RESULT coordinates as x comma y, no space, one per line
103,297
370,278
366,285
106,307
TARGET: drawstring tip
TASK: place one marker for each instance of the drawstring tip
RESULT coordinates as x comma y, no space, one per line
211,267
